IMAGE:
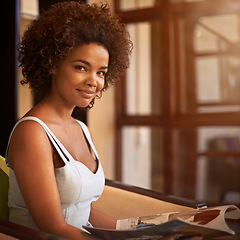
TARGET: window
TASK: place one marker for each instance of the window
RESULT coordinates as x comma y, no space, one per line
178,108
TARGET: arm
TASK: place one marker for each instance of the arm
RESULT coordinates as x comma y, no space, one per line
102,220
31,157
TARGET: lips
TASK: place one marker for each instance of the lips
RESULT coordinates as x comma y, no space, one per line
86,93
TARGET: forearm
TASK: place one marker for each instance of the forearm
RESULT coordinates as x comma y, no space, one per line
65,231
100,219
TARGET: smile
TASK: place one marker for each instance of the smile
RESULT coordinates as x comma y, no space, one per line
86,93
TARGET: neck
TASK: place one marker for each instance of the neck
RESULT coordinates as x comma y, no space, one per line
50,110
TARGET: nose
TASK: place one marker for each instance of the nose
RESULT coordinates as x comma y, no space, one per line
91,80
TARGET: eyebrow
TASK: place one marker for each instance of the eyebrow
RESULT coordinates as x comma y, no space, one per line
88,64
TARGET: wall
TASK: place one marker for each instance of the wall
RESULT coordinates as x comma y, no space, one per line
29,11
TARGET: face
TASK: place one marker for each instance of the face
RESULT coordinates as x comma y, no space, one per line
81,75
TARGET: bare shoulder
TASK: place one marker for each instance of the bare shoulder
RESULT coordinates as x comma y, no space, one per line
28,130
28,141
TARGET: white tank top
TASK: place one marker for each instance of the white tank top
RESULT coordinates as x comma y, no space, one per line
77,185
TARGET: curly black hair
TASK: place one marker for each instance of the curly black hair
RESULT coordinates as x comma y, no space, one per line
65,26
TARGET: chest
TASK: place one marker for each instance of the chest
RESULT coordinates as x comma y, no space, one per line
77,145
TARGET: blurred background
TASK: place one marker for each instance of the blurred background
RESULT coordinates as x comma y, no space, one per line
172,124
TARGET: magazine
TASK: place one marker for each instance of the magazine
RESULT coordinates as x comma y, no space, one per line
208,222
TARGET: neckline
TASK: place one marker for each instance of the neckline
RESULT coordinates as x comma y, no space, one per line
65,154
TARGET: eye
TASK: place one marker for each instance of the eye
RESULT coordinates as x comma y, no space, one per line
80,68
101,73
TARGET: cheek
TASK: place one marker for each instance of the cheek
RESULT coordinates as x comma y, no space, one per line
69,79
101,85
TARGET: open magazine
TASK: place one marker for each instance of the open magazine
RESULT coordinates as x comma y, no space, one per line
208,222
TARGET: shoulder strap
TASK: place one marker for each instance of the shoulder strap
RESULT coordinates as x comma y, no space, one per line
88,136
56,143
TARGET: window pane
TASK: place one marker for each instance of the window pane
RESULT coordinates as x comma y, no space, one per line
221,139
218,179
218,176
142,157
220,67
143,81
210,69
212,33
126,5
208,160
179,1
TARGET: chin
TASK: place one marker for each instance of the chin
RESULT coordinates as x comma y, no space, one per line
83,106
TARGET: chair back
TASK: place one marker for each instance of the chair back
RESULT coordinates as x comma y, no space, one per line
4,184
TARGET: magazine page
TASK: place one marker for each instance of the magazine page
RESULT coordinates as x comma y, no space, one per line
211,217
207,222
174,228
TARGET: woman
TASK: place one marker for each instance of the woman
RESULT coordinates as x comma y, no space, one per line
71,54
